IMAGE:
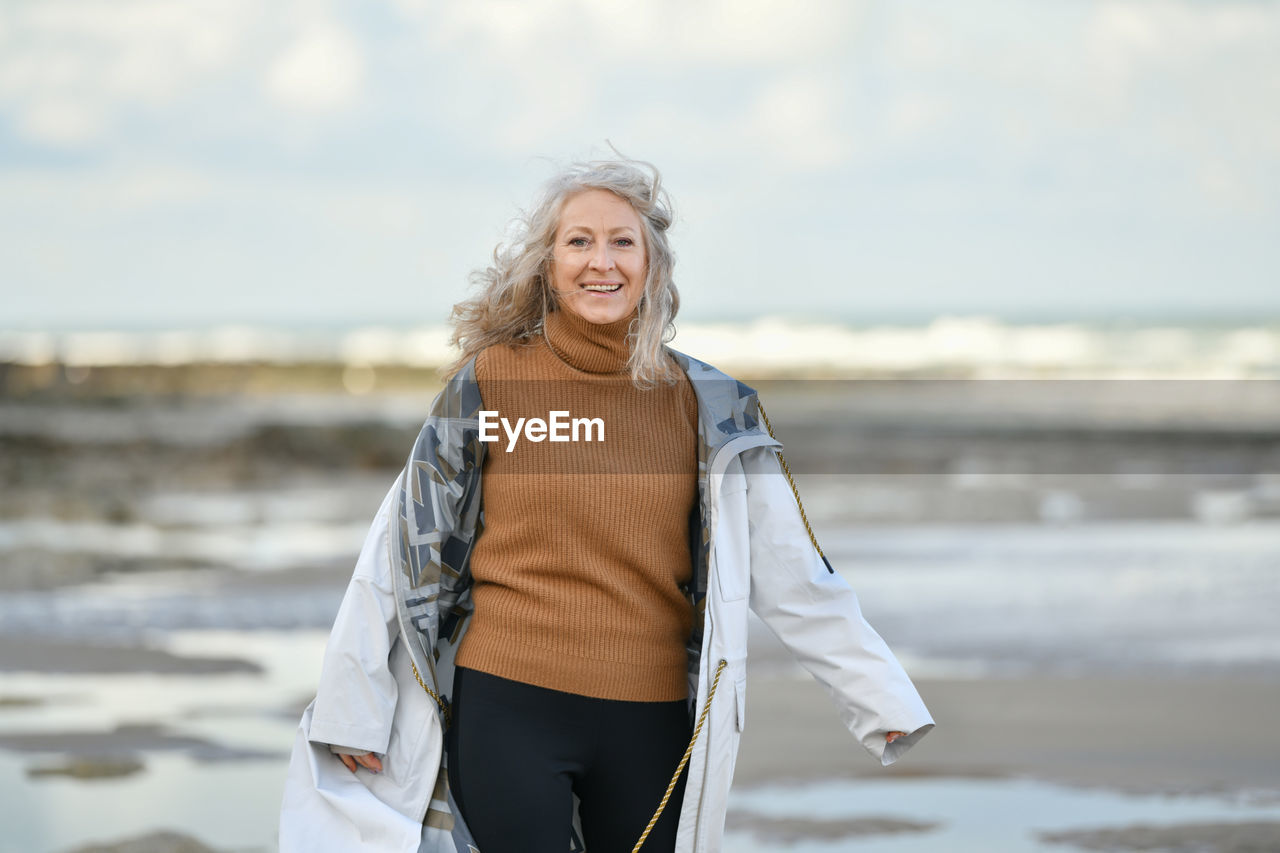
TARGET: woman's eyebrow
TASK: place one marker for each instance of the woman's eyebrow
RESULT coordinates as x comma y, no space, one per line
569,228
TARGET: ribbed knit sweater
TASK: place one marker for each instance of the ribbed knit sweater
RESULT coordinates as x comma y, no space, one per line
585,546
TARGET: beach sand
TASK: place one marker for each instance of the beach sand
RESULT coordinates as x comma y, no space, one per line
1186,740
1143,733
233,520
1188,735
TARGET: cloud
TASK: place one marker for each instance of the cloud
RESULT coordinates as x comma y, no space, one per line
1127,34
321,71
914,114
72,65
795,117
412,8
71,70
66,122
1206,77
674,34
1143,135
554,74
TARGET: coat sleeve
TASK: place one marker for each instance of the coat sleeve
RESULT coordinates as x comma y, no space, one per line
816,615
356,697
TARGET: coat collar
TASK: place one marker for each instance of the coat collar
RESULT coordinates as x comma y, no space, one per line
727,408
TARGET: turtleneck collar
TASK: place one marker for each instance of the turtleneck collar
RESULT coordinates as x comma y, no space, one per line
586,346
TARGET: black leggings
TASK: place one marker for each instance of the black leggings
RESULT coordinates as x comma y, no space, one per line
517,754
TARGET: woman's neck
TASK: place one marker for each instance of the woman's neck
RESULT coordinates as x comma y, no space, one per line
586,346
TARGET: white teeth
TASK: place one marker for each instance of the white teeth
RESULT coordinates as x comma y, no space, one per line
602,288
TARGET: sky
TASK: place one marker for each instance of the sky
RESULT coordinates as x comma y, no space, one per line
326,164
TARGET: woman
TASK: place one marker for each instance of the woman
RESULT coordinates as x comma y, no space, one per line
520,668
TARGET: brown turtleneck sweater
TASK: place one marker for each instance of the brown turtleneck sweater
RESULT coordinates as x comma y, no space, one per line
585,544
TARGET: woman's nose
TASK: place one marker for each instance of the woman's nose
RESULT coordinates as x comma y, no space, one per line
602,258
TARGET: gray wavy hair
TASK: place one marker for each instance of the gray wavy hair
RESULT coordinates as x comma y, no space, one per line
515,292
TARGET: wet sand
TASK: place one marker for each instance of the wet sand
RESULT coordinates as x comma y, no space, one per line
1252,837
64,656
107,472
1140,733
1143,733
99,750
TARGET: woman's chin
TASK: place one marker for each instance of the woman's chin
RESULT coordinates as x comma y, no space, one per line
601,314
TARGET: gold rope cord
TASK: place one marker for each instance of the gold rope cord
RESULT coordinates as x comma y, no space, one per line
444,709
787,470
702,718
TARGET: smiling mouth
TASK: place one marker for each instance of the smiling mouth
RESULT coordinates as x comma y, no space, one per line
602,288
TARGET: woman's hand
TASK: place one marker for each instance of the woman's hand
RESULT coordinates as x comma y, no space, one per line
892,736
368,761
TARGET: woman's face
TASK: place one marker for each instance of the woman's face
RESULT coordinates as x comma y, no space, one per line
599,260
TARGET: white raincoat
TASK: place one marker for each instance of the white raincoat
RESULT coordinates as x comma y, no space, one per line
408,604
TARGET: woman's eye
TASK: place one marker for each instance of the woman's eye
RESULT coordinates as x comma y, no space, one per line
578,241
625,241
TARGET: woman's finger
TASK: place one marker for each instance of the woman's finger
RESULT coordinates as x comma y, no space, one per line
348,761
369,761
